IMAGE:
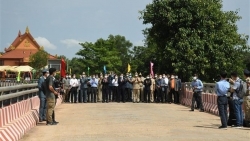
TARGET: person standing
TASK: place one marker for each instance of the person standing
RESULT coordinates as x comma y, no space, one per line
115,89
94,84
110,79
105,89
74,84
142,93
221,89
121,91
50,96
164,85
197,86
147,84
84,88
128,92
136,88
99,97
158,89
177,90
42,96
237,101
246,103
172,85
152,89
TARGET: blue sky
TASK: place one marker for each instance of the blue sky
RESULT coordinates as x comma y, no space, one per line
59,25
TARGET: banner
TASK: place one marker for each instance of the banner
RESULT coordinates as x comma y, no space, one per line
151,69
104,69
63,68
129,68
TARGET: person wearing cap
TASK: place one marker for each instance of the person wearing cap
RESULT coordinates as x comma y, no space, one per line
246,99
142,94
136,88
84,88
42,96
51,93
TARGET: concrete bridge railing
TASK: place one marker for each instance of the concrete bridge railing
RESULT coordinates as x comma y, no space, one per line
19,110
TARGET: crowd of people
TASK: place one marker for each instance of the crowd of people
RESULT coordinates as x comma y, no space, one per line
119,88
150,89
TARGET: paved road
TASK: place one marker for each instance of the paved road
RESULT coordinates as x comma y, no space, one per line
133,122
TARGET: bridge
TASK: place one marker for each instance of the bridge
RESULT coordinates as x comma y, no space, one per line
112,121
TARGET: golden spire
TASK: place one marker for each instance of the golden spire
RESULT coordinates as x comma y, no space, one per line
27,30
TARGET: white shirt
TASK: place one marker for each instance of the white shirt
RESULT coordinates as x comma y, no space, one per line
115,82
73,82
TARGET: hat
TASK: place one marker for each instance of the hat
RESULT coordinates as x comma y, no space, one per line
140,73
83,73
136,73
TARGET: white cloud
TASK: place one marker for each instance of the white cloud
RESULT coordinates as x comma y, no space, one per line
71,42
45,43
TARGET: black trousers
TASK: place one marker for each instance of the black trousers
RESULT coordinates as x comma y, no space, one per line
74,94
93,94
171,93
147,95
176,97
105,93
159,94
222,107
128,94
231,119
197,98
115,94
166,98
111,95
121,94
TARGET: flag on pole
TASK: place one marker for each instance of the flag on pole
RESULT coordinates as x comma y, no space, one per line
129,68
88,71
151,69
63,68
104,69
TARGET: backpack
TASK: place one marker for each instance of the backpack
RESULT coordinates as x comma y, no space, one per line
242,91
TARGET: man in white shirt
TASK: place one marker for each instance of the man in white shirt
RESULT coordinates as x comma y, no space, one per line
115,89
74,84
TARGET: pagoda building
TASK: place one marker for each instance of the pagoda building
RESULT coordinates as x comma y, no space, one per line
20,50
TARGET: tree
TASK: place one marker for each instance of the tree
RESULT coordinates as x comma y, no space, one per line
39,59
114,53
194,36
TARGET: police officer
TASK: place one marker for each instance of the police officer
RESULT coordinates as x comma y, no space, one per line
42,96
136,88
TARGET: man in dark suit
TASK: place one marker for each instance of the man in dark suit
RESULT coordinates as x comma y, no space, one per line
121,91
84,88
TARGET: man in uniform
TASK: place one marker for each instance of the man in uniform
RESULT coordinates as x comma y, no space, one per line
142,94
152,89
136,88
246,99
50,96
99,96
42,96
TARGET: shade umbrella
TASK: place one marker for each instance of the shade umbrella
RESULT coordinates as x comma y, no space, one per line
24,68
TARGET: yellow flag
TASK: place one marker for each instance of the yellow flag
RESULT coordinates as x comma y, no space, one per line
129,68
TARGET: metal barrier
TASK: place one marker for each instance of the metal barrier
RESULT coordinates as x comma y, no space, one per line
14,82
13,94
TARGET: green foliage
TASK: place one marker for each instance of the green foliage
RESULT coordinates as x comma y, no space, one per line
39,59
194,36
113,52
